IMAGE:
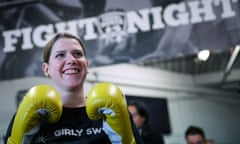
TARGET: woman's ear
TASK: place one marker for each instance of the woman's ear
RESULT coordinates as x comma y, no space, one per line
45,69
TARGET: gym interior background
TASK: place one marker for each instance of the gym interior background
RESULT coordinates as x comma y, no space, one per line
150,48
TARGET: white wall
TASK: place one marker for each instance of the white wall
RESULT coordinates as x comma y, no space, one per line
216,111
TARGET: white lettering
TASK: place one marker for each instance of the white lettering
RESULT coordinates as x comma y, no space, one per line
68,132
226,7
206,10
42,34
176,15
57,133
88,24
79,132
142,22
157,18
70,27
96,130
88,131
27,44
10,38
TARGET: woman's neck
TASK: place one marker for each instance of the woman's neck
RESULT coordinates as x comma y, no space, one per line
73,98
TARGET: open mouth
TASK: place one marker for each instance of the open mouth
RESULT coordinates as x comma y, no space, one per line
71,71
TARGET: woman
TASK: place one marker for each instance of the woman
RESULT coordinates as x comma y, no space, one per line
65,62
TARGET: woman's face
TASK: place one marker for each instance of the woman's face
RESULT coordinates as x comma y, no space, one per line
137,119
67,65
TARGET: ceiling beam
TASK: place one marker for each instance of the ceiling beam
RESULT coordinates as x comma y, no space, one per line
215,78
230,63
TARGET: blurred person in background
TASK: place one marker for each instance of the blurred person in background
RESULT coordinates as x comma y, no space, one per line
195,135
140,115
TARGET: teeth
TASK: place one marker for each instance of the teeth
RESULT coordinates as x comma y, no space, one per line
71,72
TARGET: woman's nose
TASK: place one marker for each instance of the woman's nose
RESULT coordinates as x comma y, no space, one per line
71,59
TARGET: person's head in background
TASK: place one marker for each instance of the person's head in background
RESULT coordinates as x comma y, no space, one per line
139,113
195,135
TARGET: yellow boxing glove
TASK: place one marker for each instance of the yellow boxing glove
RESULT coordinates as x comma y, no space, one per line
40,102
106,101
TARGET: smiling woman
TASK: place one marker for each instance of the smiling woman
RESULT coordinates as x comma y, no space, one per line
65,63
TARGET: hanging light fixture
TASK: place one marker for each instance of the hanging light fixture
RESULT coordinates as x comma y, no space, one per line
203,55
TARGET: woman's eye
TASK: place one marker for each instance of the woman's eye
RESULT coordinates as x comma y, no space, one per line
77,54
59,55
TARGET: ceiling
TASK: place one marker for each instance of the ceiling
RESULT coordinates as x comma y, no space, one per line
221,65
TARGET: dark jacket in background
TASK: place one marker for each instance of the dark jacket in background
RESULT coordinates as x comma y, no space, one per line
149,136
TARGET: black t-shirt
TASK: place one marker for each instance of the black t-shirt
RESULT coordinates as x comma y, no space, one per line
149,136
74,127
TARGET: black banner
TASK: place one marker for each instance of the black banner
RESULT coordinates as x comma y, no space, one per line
115,31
